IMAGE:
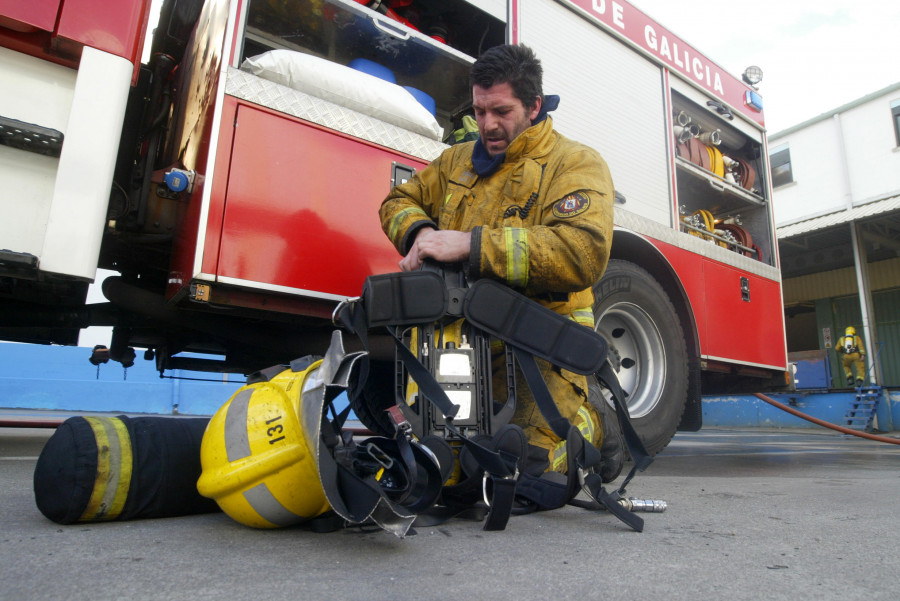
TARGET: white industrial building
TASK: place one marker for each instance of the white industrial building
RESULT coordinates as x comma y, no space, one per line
836,181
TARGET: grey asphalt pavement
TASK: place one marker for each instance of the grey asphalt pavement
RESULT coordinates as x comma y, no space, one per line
752,514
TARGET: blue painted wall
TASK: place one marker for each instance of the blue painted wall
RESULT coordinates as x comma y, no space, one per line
749,411
62,379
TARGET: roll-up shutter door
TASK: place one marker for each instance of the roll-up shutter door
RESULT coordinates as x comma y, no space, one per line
612,100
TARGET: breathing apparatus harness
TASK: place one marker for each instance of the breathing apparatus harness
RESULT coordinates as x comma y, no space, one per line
486,442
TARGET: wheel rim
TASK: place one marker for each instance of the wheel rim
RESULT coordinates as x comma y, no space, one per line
638,355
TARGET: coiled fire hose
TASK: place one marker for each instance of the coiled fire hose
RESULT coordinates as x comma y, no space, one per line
824,424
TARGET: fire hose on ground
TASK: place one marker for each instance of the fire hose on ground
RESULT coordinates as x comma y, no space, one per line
817,421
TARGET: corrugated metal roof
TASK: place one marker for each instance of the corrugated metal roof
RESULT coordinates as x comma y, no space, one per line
892,203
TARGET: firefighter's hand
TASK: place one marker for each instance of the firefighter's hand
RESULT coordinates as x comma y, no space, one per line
444,246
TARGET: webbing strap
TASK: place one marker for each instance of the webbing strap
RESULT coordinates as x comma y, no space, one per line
541,393
633,442
491,461
593,485
427,384
502,498
589,455
499,467
412,471
500,311
581,453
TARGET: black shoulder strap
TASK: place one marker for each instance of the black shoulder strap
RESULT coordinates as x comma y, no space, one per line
640,456
521,322
585,454
404,298
531,329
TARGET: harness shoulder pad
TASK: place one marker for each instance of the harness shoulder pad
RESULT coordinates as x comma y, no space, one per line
521,322
404,298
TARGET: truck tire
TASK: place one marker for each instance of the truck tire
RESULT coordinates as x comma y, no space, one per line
647,349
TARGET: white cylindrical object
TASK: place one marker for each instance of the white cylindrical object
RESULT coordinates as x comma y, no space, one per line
644,505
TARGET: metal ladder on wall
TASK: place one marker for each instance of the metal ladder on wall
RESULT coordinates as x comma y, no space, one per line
861,414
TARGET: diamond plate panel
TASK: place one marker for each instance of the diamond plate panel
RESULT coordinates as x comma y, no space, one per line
327,114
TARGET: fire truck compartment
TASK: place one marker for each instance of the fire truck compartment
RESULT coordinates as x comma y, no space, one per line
722,188
345,86
272,233
430,51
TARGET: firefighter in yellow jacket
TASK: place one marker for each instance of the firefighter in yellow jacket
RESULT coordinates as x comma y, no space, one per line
525,206
854,356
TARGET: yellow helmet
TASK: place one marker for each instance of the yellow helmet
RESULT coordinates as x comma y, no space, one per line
850,331
267,452
256,460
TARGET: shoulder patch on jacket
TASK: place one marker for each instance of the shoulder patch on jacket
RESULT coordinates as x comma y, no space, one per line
571,205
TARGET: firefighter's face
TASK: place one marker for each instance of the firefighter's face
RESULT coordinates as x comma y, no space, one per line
500,116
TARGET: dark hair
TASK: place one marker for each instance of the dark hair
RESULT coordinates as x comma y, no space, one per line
516,65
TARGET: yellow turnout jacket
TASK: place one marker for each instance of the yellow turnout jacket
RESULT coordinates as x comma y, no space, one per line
541,223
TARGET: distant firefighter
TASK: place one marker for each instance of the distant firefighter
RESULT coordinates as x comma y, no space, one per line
854,353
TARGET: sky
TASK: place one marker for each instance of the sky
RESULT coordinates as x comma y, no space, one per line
816,55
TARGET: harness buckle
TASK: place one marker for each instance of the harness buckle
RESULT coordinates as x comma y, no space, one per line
398,420
615,495
582,480
582,473
484,483
340,307
380,457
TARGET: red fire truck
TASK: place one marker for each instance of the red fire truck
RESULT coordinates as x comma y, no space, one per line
233,181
